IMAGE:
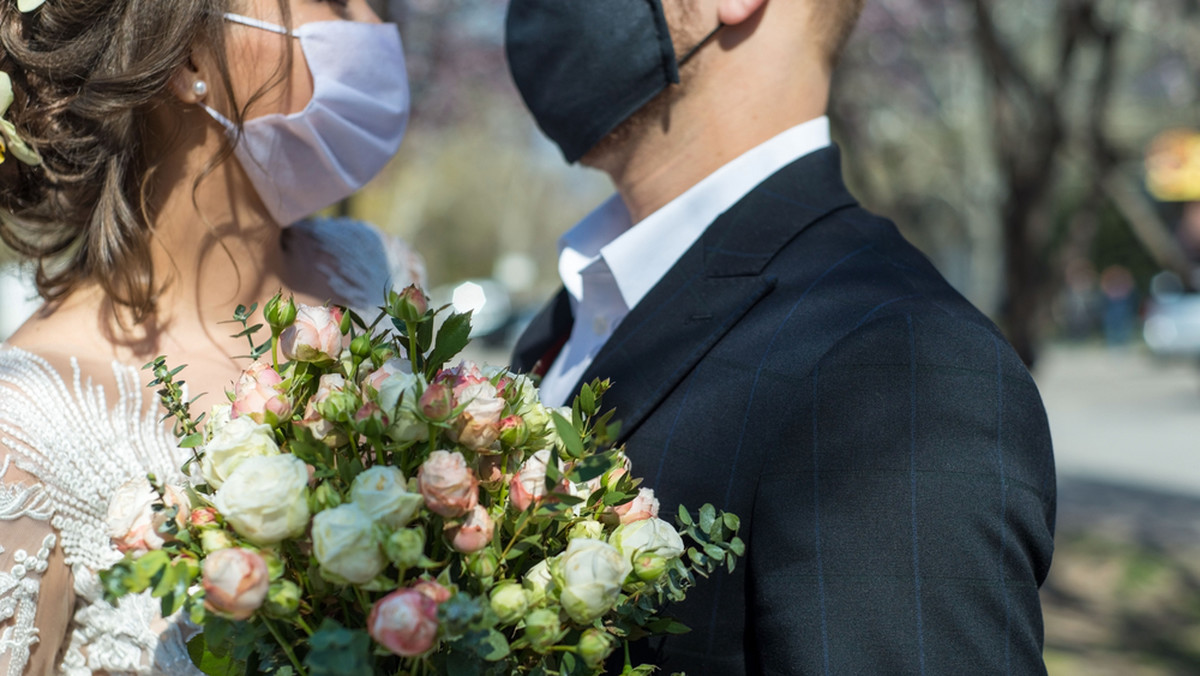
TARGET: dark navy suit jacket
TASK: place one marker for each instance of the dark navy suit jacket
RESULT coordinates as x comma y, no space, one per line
806,368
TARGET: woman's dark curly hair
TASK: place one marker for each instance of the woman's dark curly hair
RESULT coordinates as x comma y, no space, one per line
86,74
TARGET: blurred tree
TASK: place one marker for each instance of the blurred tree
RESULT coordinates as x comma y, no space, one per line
1012,126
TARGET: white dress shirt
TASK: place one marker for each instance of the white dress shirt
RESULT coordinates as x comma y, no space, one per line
608,266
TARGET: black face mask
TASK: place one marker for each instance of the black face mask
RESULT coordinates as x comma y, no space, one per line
585,66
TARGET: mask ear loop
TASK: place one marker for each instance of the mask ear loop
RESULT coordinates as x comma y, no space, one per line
707,39
257,23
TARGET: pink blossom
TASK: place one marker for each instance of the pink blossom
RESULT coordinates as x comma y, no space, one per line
235,582
644,506
433,590
315,337
529,484
474,533
330,384
448,484
437,401
203,516
405,622
258,391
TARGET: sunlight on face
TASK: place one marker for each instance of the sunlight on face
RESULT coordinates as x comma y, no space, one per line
256,55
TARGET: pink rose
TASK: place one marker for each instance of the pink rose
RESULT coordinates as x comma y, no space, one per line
203,516
474,533
448,484
405,622
134,523
315,337
433,590
330,384
644,506
478,426
437,401
235,582
258,391
513,430
529,484
391,367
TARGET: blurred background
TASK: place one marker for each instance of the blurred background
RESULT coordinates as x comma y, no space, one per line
1045,154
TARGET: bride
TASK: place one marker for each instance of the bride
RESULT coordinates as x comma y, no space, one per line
152,152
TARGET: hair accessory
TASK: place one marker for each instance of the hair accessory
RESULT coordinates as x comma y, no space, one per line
29,5
10,140
200,88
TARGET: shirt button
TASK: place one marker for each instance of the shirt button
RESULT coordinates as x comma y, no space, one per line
600,325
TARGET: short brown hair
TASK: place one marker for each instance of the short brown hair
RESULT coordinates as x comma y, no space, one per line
85,76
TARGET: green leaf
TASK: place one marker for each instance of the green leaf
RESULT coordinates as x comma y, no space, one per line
685,519
714,552
587,401
708,515
570,438
732,522
591,467
737,546
451,339
336,650
192,440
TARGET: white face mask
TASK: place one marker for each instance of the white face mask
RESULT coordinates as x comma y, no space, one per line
306,161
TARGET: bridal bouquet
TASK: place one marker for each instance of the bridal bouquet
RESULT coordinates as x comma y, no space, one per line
360,507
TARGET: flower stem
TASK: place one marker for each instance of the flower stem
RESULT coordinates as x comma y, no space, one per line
287,649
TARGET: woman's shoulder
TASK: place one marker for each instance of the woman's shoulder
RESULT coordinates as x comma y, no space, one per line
358,260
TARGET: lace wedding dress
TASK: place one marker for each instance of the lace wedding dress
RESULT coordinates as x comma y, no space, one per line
68,444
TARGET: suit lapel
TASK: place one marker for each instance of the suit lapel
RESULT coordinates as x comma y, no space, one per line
712,286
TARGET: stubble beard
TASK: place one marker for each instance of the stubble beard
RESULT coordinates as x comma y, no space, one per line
615,150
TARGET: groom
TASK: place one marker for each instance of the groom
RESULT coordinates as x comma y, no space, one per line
782,353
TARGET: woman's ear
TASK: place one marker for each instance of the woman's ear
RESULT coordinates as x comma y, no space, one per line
187,84
734,12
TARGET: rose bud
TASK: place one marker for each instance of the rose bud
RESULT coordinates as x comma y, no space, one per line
345,546
649,567
279,314
283,599
405,622
483,564
588,528
474,533
543,629
324,429
648,536
361,347
236,582
513,431
433,590
590,574
538,581
323,497
370,421
437,402
405,547
509,601
644,506
529,484
203,517
448,484
595,646
315,336
212,539
258,392
410,305
133,522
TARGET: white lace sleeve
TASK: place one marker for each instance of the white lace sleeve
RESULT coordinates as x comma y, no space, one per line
27,541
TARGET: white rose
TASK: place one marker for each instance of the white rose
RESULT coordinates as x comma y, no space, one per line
266,498
345,545
538,581
382,494
133,522
232,444
218,417
590,574
648,536
399,397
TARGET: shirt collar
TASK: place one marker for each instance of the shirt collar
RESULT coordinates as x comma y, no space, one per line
639,257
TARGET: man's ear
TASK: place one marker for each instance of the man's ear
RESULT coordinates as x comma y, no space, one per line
734,12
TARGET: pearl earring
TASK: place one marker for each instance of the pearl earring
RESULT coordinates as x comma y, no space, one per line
200,88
